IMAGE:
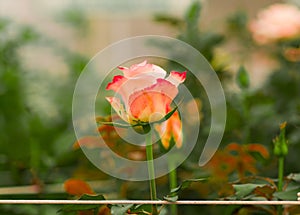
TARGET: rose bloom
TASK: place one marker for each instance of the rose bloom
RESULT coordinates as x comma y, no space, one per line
146,96
279,21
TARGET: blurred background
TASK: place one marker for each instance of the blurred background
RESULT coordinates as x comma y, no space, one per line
44,45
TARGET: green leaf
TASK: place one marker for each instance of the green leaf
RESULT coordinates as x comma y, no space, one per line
75,18
171,20
238,21
244,190
173,195
119,125
92,197
294,176
120,209
167,116
290,195
193,14
78,207
141,209
171,198
242,78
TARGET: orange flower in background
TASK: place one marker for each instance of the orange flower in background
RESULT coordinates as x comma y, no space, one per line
77,187
278,21
170,130
236,158
107,132
221,165
292,54
145,91
245,162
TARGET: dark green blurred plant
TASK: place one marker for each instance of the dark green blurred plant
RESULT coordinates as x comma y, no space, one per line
190,31
30,145
253,113
16,122
277,99
75,18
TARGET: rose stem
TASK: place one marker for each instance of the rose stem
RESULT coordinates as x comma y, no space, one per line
280,179
149,152
280,173
173,182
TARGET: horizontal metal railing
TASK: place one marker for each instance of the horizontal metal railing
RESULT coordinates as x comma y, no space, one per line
161,202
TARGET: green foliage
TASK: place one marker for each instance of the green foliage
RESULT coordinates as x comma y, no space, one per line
83,207
190,33
173,21
120,209
290,195
192,15
36,138
242,78
173,195
242,191
266,191
238,22
294,177
16,122
36,149
76,19
141,209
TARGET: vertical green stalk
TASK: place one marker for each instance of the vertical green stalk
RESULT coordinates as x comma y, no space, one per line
280,150
243,81
151,172
173,182
280,180
280,173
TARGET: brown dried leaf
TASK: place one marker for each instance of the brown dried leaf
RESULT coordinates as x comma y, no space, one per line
265,191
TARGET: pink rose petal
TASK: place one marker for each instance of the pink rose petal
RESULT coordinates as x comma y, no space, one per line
154,99
142,68
176,78
117,82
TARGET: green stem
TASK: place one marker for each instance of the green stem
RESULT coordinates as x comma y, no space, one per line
280,180
173,182
280,173
151,172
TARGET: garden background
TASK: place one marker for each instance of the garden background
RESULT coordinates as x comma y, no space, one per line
45,45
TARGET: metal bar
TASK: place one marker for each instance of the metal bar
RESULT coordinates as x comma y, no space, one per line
182,202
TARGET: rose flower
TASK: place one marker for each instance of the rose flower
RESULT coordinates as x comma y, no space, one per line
146,96
277,22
